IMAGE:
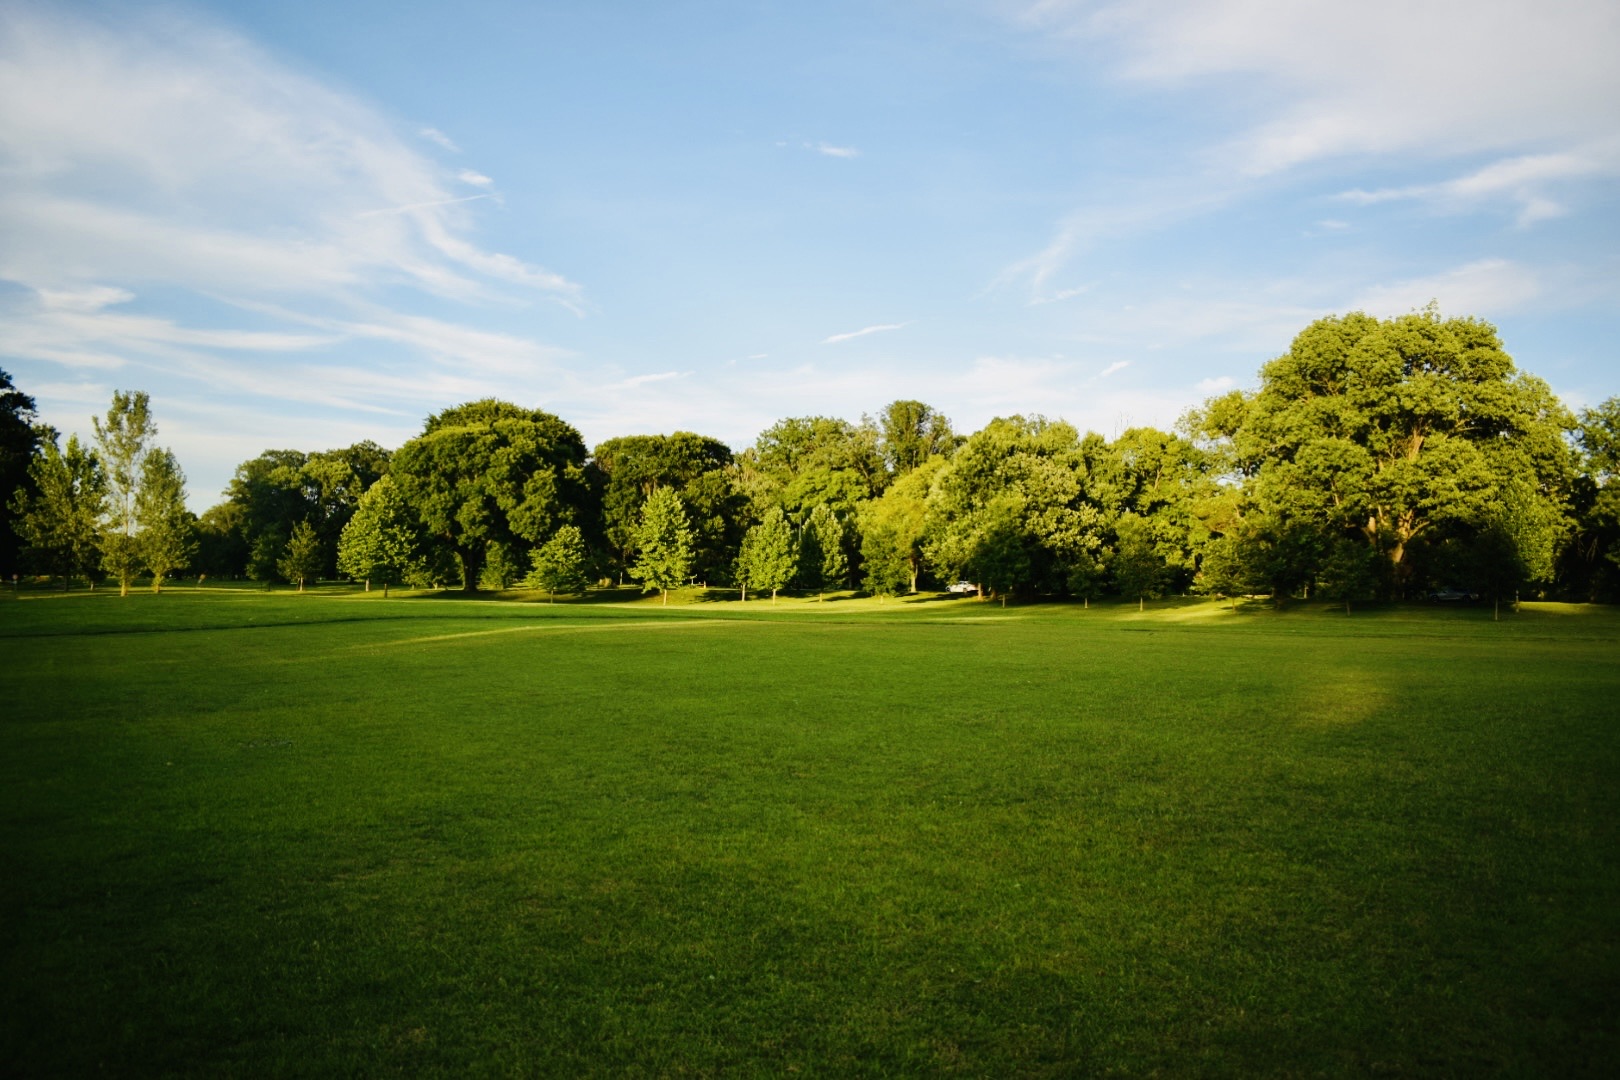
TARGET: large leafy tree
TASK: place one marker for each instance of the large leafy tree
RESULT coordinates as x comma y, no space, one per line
123,441
1020,481
21,440
901,515
59,513
1400,431
911,433
167,537
491,472
664,543
804,462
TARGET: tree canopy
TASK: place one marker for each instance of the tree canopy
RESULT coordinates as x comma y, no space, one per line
491,472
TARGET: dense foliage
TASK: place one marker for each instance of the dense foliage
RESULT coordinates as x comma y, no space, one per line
1376,459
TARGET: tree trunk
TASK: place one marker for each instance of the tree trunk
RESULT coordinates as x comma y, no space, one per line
745,594
1141,603
666,596
1496,610
385,589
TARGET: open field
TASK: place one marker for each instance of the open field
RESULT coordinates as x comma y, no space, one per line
334,834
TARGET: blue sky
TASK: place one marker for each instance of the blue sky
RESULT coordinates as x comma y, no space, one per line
303,224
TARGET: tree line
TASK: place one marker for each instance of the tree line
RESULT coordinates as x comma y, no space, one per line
1377,459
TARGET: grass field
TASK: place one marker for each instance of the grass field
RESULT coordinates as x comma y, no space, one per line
336,834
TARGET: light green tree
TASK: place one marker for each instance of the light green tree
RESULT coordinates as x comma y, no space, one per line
886,569
304,556
767,559
123,442
822,562
664,543
379,542
559,563
60,523
167,537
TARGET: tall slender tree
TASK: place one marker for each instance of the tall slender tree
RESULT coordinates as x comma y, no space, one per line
123,442
167,537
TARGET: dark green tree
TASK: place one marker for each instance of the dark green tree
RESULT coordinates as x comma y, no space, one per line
491,472
303,558
1400,430
1349,572
1139,569
58,514
21,440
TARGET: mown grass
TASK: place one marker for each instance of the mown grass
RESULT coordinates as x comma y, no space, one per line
307,835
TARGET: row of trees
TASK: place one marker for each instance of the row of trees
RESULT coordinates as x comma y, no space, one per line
1376,458
118,506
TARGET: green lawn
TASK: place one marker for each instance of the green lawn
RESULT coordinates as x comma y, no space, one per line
337,834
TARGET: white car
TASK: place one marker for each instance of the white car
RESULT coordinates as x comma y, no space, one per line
962,587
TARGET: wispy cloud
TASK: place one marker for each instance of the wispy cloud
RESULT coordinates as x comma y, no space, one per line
1488,287
1524,179
1553,76
834,151
421,205
642,380
1113,369
836,338
149,153
439,138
